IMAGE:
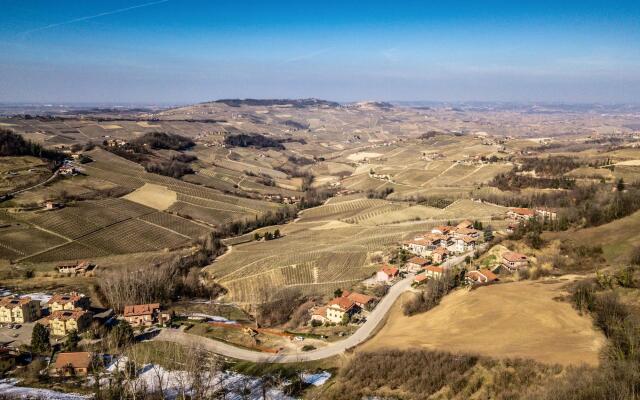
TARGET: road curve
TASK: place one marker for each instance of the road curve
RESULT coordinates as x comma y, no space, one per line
374,319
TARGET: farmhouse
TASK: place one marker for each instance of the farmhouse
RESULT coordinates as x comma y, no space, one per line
68,301
81,268
514,261
72,364
466,224
340,307
19,310
481,276
415,264
387,274
462,232
62,322
145,315
520,214
361,300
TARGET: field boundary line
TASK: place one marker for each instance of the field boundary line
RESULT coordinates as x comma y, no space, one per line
162,227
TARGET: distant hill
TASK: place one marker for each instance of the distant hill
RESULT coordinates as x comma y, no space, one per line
297,103
372,105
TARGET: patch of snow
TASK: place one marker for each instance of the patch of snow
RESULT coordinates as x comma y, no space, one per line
8,387
318,379
214,318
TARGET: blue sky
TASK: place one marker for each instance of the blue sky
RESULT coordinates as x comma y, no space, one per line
178,51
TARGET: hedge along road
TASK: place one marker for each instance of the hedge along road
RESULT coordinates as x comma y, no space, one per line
369,327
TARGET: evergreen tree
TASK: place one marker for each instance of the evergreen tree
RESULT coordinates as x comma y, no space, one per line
276,234
488,234
121,334
71,343
620,185
40,342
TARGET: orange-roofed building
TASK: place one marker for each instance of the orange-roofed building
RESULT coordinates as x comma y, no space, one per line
514,261
361,300
339,307
68,301
18,310
520,214
145,315
387,273
72,364
415,264
433,272
420,278
481,276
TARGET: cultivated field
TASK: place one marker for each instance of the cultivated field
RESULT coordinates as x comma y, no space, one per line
520,319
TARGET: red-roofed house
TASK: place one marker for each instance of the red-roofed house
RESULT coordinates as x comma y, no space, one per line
72,364
338,308
514,261
415,264
481,276
520,214
433,271
418,279
387,273
361,300
145,315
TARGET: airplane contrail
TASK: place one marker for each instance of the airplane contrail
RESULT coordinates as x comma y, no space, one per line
88,17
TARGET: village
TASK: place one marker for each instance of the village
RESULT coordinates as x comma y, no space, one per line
64,328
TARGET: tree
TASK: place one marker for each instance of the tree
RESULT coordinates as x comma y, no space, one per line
488,234
338,292
40,342
620,185
276,234
72,340
256,236
121,334
268,236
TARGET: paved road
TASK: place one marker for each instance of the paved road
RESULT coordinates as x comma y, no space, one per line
375,318
373,321
52,177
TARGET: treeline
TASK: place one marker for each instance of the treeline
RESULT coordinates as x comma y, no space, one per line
513,181
252,140
13,144
281,216
551,166
173,168
164,141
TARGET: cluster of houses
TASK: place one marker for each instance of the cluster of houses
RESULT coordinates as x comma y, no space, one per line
444,240
343,307
64,313
83,268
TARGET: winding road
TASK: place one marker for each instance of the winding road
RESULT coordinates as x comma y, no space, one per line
374,320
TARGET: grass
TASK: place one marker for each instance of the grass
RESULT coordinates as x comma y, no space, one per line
519,319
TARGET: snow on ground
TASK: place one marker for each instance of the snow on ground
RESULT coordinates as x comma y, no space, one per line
41,297
152,376
215,318
8,387
318,379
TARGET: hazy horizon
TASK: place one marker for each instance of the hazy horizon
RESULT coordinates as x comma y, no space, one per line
170,52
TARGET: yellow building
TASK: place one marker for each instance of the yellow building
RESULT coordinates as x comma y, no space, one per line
18,310
70,301
62,322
